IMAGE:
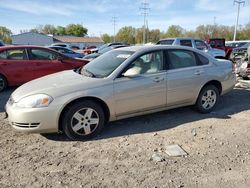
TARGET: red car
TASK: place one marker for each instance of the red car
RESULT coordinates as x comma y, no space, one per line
20,64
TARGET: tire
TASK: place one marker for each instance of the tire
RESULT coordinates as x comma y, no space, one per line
76,122
208,99
3,83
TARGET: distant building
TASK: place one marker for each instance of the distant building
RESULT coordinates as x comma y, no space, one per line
31,38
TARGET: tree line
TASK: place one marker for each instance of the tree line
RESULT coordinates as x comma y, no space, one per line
132,35
71,29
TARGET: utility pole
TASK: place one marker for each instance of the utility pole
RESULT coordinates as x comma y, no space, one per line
114,23
145,9
239,2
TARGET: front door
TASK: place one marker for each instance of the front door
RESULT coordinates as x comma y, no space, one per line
145,90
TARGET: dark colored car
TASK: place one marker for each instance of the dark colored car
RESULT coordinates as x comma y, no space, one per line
66,51
20,64
104,50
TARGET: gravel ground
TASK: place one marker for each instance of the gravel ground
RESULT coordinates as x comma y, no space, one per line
218,147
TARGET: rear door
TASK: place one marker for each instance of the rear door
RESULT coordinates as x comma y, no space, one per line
15,65
185,76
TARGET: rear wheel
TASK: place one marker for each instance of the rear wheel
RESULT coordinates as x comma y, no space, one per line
83,120
3,83
207,99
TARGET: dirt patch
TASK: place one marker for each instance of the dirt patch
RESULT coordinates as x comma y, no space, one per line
218,147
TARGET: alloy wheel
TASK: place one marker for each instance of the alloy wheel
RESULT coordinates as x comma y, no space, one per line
85,121
208,99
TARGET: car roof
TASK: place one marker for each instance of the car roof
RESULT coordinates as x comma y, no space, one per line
154,47
145,49
182,38
21,46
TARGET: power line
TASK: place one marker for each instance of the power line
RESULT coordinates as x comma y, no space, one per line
114,23
237,19
145,10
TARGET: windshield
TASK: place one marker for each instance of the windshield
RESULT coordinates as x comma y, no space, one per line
105,64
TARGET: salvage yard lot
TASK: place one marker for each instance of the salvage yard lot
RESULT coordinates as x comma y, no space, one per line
218,147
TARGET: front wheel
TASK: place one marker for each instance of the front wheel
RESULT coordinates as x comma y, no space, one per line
83,120
207,99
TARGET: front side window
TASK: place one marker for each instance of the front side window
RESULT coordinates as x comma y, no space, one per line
200,45
41,54
186,43
16,54
147,64
181,59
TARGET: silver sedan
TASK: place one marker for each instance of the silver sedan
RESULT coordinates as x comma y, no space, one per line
122,83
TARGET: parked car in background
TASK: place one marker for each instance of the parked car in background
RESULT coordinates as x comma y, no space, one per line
236,44
66,51
219,43
107,45
194,43
121,83
61,44
92,56
88,50
20,64
240,52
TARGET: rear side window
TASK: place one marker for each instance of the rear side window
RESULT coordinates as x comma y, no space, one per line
16,54
186,43
181,59
202,60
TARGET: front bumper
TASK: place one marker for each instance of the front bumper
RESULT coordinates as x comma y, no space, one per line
33,120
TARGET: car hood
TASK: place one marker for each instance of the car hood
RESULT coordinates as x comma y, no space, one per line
57,84
216,52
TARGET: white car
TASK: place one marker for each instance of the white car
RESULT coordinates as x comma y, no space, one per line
194,43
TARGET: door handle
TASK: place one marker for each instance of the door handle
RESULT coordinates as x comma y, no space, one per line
158,79
198,72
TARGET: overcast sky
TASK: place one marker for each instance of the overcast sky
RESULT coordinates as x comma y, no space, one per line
96,15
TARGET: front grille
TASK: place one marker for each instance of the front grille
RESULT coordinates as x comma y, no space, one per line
25,125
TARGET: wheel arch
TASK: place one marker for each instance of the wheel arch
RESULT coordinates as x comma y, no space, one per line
7,82
99,101
215,83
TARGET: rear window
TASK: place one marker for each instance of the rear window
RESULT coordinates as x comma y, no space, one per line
202,60
166,42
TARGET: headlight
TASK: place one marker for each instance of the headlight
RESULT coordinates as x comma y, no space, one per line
35,101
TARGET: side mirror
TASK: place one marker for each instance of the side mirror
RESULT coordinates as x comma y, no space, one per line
132,72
